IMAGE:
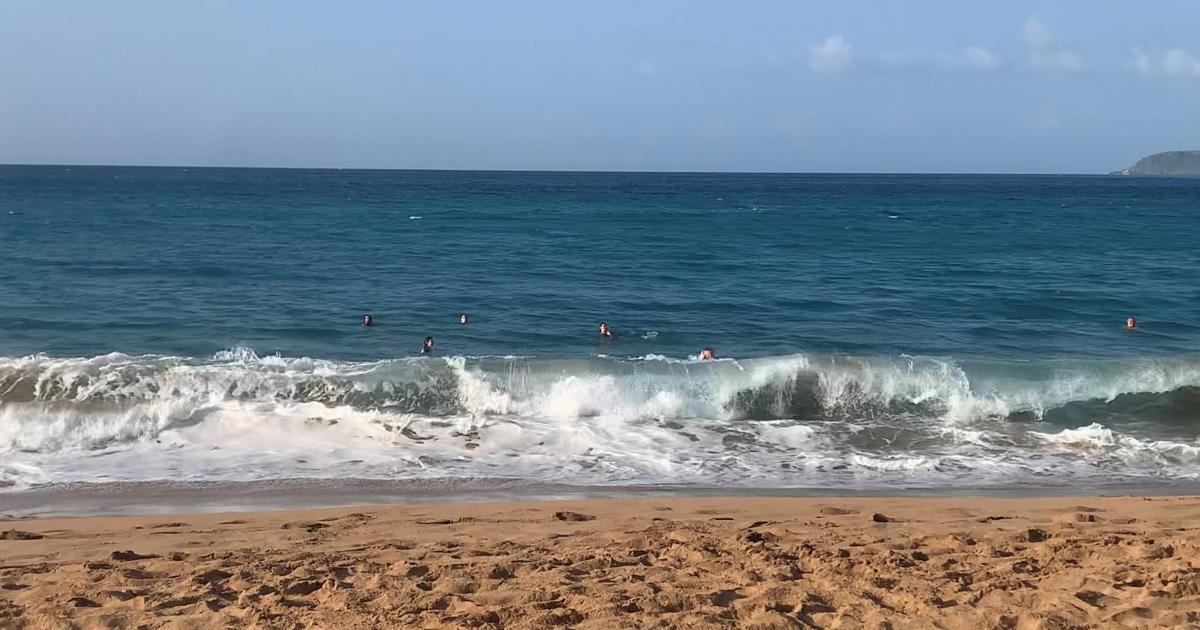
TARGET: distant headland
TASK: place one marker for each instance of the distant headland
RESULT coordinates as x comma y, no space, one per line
1166,164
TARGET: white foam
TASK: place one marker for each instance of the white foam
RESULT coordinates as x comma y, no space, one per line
653,420
1096,441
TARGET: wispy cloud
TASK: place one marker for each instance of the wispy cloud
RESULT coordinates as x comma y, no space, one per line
1175,62
831,55
1046,52
1141,62
1178,62
983,58
1062,60
1038,35
970,58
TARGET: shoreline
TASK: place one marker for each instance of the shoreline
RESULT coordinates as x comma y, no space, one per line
692,562
145,498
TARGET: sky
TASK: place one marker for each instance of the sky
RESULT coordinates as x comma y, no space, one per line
796,86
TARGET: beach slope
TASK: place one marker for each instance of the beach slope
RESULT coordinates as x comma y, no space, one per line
681,562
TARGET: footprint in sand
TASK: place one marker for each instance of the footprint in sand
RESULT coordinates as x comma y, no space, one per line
1076,517
1099,600
308,527
16,534
303,588
213,576
1034,535
417,571
573,516
139,574
126,556
177,602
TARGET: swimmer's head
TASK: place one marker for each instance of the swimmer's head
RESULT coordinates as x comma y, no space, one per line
604,329
462,319
1130,323
368,320
708,354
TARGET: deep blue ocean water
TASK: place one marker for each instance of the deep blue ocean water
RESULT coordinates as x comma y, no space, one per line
192,261
889,327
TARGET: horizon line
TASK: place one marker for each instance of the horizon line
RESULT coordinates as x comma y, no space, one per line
532,170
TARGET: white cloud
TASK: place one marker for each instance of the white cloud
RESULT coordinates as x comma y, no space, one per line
971,58
1038,35
831,55
1141,62
1178,62
1061,60
983,58
1046,54
1175,62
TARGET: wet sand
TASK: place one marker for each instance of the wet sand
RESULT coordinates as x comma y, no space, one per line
685,562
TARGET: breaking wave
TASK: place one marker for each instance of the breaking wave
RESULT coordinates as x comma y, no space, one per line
786,420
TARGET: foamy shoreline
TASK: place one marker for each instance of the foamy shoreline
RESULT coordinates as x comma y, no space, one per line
779,421
693,562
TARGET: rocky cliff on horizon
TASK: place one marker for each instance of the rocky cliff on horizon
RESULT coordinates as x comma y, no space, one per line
1166,164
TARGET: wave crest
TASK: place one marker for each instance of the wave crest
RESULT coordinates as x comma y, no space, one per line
51,403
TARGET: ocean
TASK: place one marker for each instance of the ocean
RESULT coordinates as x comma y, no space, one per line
873,332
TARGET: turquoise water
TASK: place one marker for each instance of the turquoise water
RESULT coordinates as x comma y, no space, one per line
193,324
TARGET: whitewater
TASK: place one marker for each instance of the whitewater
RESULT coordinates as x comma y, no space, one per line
796,421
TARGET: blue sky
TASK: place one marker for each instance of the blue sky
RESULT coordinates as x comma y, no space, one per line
763,86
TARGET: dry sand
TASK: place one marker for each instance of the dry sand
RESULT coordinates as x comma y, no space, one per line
685,563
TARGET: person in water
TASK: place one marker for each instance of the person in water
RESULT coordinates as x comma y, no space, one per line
368,320
462,319
427,347
708,354
1130,324
604,330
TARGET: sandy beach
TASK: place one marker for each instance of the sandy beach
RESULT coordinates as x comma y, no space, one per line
614,563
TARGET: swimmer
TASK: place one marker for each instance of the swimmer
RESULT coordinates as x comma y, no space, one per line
427,347
708,354
368,320
462,319
604,330
1130,324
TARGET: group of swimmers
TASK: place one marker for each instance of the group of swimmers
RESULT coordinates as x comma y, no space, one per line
707,354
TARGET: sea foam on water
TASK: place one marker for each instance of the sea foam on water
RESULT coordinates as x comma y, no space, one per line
789,421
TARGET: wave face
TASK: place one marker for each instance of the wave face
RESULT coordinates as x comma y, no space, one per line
787,421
